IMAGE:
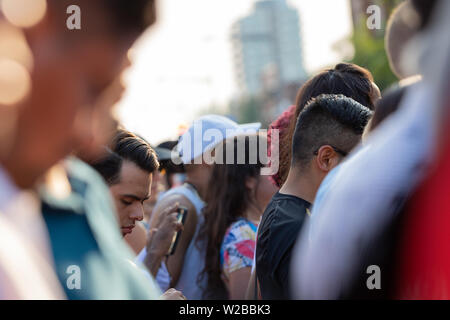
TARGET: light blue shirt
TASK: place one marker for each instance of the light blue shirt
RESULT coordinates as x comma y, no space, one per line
324,189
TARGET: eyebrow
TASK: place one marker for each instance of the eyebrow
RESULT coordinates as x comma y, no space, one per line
132,196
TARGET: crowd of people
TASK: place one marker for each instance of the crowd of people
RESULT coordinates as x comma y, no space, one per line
347,180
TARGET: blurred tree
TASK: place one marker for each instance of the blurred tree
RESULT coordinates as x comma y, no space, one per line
370,54
369,44
247,109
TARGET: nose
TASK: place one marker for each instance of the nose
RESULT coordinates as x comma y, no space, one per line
138,213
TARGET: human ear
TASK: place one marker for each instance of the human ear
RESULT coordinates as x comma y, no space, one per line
327,158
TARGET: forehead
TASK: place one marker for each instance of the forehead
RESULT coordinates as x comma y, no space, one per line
133,180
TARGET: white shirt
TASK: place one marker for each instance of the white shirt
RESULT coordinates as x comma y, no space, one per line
26,266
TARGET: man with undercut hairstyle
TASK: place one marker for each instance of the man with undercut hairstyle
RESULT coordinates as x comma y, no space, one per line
327,129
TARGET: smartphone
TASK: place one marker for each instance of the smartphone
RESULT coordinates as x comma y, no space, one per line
182,213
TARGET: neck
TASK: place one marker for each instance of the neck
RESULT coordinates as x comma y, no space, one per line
253,213
17,173
301,185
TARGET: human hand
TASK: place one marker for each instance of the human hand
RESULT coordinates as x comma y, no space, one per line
173,294
160,238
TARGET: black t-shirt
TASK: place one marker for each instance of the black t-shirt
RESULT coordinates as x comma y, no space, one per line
277,234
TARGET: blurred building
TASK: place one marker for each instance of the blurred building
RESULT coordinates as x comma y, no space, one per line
267,48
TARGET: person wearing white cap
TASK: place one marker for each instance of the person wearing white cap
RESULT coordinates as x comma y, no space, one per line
181,269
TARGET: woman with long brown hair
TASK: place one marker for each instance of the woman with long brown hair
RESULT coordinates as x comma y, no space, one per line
236,200
348,79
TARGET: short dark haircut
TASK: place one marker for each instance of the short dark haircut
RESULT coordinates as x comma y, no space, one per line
125,15
132,148
334,120
108,166
348,79
391,101
167,164
387,105
134,15
125,146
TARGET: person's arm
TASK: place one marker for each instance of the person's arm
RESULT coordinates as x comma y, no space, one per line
252,293
237,260
159,241
160,238
238,282
175,262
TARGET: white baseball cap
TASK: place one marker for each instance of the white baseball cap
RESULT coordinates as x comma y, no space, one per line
207,131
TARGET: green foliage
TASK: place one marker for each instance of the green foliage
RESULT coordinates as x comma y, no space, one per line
370,54
370,50
247,109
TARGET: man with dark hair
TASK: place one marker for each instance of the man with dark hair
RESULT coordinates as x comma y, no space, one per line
127,169
327,129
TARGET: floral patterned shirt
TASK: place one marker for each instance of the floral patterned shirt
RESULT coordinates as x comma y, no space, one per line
238,246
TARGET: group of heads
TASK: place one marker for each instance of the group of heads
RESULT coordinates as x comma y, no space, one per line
346,79
327,129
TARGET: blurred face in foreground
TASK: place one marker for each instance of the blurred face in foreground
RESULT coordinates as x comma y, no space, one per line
129,195
72,69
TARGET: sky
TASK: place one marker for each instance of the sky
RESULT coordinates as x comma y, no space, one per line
183,64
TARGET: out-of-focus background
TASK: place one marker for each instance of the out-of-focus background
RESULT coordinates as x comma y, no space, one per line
245,59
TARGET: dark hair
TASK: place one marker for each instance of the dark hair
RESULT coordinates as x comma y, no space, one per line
130,147
333,120
134,15
169,144
348,79
108,166
228,199
125,15
389,103
125,146
168,165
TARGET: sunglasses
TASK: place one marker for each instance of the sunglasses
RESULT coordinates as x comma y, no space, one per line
337,150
